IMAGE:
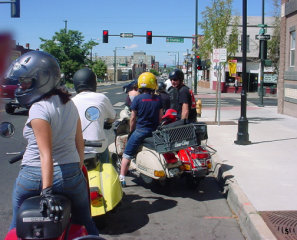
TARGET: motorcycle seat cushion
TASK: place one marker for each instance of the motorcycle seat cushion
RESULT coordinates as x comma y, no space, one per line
149,143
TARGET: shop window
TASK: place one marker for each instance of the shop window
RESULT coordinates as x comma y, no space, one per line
292,48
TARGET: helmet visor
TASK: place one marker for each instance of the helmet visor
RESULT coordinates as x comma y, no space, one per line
19,72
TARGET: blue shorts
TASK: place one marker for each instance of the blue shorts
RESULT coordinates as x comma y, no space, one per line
134,141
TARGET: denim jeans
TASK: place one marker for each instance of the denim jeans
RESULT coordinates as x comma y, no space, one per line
135,140
68,180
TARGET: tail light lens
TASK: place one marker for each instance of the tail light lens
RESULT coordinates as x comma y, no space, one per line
170,157
95,193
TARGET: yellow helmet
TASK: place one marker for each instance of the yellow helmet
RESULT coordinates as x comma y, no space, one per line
147,80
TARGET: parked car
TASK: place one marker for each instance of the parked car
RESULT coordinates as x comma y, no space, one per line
7,88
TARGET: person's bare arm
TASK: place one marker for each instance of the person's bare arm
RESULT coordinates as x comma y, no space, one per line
43,133
160,115
79,142
133,120
185,111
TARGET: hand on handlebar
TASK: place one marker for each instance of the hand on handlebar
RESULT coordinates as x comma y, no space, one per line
50,205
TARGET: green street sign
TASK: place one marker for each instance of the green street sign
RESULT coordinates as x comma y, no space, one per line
175,39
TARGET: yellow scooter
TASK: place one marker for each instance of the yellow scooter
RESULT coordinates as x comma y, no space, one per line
105,187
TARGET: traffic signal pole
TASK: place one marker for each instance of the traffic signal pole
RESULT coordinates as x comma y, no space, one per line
196,48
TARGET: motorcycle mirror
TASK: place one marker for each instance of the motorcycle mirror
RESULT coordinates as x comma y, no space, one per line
92,113
6,129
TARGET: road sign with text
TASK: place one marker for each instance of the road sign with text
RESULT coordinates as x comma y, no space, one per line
126,35
263,37
175,39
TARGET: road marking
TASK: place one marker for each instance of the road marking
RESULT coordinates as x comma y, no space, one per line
119,93
103,92
119,104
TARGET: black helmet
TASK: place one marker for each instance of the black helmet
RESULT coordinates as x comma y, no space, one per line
161,87
85,79
38,73
176,74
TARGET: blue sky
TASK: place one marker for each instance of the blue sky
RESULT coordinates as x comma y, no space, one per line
42,18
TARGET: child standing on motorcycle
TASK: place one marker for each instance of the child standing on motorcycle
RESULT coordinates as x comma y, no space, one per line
85,84
146,115
54,154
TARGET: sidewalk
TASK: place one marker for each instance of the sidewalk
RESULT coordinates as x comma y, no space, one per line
260,176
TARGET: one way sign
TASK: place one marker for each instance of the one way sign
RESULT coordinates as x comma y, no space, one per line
263,37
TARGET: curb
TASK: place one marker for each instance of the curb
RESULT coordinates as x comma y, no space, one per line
251,223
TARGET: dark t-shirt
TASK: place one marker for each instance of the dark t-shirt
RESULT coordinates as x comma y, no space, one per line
148,108
184,96
165,100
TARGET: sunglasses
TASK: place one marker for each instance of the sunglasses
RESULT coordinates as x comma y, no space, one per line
174,79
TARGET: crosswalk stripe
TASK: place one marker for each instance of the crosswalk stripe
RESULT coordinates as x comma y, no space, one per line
119,104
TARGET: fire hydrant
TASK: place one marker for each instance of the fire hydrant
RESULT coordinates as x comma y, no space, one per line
199,107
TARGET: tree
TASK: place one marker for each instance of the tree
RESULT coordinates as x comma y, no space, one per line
155,72
99,67
70,51
273,44
216,20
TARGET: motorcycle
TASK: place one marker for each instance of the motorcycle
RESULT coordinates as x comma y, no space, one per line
105,187
32,224
196,160
153,163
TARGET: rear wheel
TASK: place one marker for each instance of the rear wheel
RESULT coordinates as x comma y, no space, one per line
9,109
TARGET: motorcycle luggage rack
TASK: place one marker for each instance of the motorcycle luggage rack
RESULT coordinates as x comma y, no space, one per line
175,138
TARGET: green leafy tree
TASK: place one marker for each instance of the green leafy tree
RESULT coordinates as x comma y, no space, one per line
99,67
155,72
216,20
70,50
274,43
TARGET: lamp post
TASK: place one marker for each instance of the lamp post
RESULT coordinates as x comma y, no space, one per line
262,60
242,134
115,62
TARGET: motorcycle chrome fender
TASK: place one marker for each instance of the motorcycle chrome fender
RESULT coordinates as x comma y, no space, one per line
148,162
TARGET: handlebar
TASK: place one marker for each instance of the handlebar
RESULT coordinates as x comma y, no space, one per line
16,158
93,143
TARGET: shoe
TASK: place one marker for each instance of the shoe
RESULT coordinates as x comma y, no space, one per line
123,183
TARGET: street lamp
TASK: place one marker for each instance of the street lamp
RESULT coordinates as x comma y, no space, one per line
115,62
175,58
242,134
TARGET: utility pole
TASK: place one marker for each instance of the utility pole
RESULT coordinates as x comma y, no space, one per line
115,62
65,21
262,49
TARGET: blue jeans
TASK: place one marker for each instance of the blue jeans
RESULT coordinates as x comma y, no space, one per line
135,140
68,180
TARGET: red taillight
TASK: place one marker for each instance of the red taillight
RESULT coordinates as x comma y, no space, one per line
94,194
170,157
199,153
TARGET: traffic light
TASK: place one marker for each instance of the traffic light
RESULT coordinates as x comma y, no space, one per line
105,36
149,37
198,62
15,9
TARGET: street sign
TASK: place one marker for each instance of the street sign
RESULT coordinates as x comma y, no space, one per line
126,35
263,37
175,39
219,55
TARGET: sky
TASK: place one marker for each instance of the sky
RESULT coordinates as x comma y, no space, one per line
42,18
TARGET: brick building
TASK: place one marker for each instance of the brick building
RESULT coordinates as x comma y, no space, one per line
287,81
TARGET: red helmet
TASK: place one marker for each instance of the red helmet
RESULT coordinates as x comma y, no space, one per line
170,114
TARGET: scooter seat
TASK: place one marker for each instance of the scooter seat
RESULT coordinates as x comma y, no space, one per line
149,143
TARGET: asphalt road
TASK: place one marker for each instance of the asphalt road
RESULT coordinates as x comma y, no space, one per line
173,211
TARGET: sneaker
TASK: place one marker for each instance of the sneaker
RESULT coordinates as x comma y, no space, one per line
123,183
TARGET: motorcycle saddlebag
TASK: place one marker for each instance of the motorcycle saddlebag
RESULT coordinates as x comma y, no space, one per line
32,224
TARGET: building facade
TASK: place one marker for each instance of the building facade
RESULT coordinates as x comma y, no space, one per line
229,78
287,82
